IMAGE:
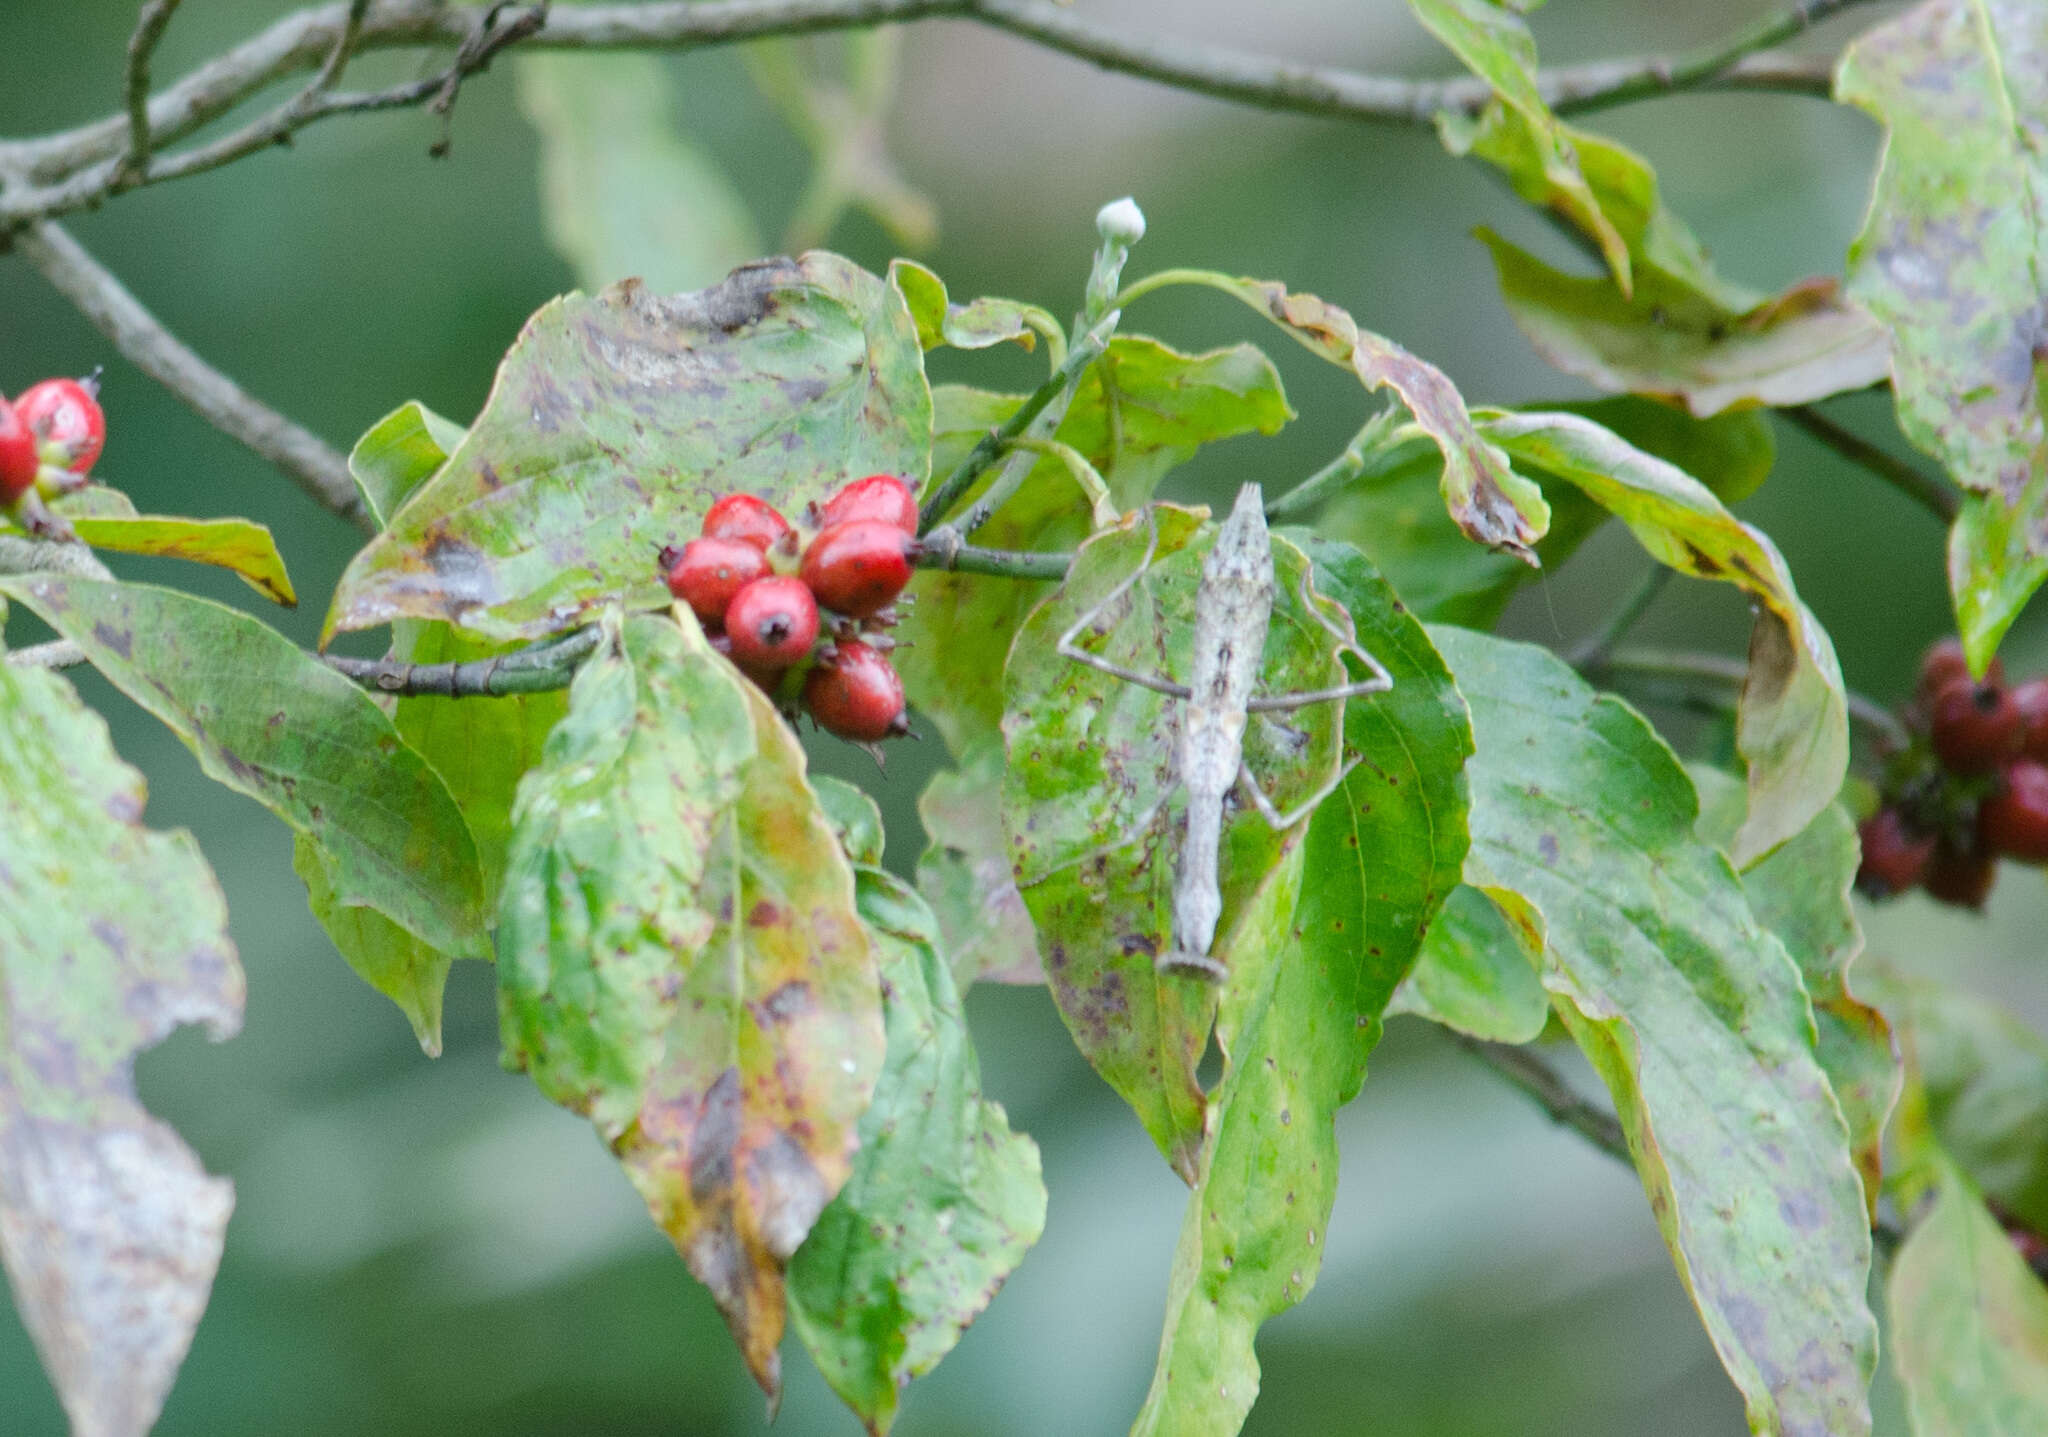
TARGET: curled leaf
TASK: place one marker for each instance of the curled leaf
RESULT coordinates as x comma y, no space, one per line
1793,724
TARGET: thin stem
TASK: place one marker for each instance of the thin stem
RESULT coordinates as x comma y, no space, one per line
1372,452
1705,65
948,553
1923,489
1722,670
537,669
150,25
1524,1068
153,349
1624,618
1086,350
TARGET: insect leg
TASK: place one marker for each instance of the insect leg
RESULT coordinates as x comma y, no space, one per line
1307,806
1070,650
1347,643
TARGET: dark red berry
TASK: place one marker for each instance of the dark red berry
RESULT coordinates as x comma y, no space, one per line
69,426
882,497
2014,819
856,694
746,518
2031,699
18,459
1894,857
858,568
708,572
1943,664
1960,877
1975,727
772,623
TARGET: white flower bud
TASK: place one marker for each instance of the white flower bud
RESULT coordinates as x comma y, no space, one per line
1120,222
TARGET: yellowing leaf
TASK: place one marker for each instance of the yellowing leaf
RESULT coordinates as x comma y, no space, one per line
1693,1014
680,960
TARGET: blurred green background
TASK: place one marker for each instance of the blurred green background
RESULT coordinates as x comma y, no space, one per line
428,1247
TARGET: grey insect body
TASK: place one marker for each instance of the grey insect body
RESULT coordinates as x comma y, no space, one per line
1233,610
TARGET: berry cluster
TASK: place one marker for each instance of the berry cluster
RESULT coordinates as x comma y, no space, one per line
50,437
1972,789
758,584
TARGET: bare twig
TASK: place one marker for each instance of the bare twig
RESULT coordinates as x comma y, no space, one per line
78,168
117,314
1525,1068
1922,488
149,29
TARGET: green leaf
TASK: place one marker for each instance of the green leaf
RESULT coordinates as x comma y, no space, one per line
110,1229
1984,1075
1143,409
1310,977
1792,727
1950,259
680,960
1693,1015
1802,894
479,746
1969,1322
399,453
944,1200
1731,453
617,420
1092,804
239,545
1477,973
623,191
1488,500
855,817
1670,340
1496,46
276,724
964,874
977,325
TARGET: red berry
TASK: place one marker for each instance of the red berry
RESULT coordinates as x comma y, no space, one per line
2031,699
858,568
708,572
1975,727
856,694
2014,820
1959,876
746,518
772,622
882,497
69,425
18,459
1943,664
1894,857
